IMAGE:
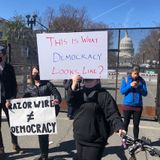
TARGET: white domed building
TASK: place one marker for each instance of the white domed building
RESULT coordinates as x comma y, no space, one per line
126,51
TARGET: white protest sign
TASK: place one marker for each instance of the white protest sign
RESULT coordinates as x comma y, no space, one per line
32,116
62,55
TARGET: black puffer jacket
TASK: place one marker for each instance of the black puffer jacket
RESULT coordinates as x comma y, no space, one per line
8,79
110,113
46,88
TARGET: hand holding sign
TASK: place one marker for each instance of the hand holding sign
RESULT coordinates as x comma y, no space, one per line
75,80
55,102
8,104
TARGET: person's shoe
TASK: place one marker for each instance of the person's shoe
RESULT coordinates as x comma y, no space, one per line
17,149
40,158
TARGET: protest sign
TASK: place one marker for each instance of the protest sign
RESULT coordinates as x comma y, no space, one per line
32,116
62,55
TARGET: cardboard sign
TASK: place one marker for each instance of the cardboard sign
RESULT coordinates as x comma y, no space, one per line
62,55
32,116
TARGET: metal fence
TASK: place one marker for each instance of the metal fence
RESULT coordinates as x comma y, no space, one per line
143,46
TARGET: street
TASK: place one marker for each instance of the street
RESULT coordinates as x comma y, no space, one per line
62,145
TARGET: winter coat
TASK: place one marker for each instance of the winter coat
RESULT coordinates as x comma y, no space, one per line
45,88
8,80
133,95
112,118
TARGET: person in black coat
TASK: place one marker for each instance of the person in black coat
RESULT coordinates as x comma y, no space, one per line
96,118
8,87
38,88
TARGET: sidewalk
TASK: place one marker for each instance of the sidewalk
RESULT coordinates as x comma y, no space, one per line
62,145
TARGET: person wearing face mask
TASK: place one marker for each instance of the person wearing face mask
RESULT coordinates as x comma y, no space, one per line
96,117
38,88
133,87
8,87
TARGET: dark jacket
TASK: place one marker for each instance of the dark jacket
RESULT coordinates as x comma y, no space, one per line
67,83
109,107
8,79
46,88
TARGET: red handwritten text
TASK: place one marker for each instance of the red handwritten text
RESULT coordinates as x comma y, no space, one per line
89,39
83,71
57,42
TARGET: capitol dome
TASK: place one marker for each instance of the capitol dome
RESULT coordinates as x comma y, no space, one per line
126,49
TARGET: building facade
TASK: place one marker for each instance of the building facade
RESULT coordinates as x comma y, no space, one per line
126,51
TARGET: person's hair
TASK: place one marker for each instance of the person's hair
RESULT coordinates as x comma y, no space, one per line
135,68
31,77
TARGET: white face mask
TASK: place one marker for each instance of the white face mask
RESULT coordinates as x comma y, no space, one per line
90,83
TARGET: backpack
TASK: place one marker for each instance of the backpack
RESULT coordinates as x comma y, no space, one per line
89,122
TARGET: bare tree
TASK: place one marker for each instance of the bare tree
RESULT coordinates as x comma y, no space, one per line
48,18
148,49
69,19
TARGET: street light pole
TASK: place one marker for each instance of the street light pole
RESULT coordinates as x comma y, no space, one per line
158,85
31,20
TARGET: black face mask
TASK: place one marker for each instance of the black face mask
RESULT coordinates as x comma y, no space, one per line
36,77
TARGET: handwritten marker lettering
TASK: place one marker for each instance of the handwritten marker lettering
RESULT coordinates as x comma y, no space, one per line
89,39
35,128
30,116
83,71
57,42
57,57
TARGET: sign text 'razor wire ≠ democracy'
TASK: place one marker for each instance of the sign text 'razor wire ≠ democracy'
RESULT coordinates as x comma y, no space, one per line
36,116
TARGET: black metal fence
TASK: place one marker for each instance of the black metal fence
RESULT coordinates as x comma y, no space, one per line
127,46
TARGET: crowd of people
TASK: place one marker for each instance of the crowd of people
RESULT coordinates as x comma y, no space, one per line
94,111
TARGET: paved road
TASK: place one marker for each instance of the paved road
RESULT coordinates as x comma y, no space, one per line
62,145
